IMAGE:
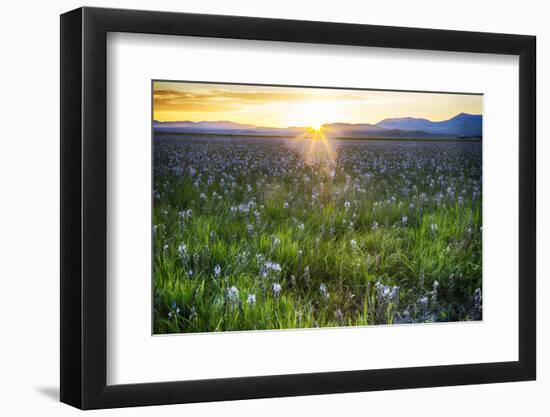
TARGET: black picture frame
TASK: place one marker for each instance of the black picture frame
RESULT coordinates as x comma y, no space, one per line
84,207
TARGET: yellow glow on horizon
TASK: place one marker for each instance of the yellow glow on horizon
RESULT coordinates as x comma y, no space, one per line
268,106
314,114
316,128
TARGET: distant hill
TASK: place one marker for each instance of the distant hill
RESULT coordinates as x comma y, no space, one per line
460,125
224,127
364,130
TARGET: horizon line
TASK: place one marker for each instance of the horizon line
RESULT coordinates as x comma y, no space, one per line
324,124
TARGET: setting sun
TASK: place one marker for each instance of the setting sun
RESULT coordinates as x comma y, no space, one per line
314,114
316,127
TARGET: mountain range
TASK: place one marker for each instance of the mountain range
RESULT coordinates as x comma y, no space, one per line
461,125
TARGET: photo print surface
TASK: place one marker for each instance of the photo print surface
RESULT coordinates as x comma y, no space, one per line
280,207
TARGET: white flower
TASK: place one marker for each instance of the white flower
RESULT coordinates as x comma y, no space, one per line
347,205
285,205
251,300
477,296
404,220
182,250
274,266
276,288
232,294
385,292
175,310
301,226
323,290
185,214
374,225
268,267
353,243
433,227
217,271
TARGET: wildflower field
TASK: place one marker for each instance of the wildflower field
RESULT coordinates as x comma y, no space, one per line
275,233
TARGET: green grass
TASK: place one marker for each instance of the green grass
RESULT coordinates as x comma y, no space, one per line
265,217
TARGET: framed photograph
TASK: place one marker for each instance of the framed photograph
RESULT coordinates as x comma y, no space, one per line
256,208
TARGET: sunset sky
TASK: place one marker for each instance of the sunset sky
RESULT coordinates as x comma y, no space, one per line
289,106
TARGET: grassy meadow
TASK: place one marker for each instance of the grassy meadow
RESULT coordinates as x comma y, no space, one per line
273,233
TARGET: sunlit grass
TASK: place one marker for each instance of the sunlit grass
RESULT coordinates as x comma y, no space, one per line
259,234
